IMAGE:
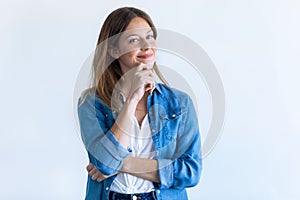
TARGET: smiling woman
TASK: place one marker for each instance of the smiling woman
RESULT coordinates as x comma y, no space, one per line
142,137
136,45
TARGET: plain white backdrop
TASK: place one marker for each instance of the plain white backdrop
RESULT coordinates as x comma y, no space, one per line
255,46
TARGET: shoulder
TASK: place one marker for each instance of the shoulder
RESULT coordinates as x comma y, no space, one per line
175,98
89,98
172,93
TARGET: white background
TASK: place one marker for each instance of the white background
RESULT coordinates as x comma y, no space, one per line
254,45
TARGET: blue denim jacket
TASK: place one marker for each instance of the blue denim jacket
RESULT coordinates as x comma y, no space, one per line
175,133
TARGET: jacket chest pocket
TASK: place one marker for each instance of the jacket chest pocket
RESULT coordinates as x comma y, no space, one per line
171,126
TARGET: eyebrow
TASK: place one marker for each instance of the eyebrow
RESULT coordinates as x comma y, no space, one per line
137,34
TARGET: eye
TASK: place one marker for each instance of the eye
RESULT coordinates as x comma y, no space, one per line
133,40
150,37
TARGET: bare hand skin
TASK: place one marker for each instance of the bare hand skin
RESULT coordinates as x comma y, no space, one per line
137,81
139,167
96,174
134,85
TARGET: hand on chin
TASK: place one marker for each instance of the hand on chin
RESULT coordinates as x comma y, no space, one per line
145,62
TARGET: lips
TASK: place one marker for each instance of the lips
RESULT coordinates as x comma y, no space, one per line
145,56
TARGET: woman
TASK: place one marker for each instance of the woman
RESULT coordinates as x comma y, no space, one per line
142,137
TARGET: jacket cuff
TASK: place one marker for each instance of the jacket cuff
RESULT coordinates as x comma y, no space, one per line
165,173
112,154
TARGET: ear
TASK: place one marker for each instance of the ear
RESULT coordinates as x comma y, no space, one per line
114,52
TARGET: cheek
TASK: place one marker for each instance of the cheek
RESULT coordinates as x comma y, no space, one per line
154,50
129,57
128,49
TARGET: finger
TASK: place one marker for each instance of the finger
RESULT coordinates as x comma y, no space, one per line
100,179
96,176
150,73
149,88
93,171
142,67
142,79
145,73
152,88
89,167
144,83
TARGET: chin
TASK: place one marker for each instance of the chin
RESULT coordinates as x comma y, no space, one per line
147,62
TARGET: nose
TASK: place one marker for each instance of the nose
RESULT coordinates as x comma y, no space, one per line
145,45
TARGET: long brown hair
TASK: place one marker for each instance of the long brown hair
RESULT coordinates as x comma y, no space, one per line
106,69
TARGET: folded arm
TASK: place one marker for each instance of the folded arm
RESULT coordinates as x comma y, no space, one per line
106,152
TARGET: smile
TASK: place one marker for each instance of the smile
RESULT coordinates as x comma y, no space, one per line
145,56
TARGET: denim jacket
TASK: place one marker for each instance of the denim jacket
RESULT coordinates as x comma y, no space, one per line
176,138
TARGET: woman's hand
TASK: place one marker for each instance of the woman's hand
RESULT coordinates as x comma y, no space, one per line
137,81
96,174
133,85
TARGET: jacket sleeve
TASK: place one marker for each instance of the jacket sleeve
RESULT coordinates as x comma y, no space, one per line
105,152
185,168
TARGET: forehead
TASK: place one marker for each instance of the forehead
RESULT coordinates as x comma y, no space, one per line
137,23
137,26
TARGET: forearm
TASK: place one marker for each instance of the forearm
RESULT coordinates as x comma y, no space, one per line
150,176
122,127
141,167
96,174
104,150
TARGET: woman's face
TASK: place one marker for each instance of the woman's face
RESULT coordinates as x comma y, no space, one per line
136,45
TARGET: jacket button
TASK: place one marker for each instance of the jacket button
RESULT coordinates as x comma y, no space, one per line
153,130
158,191
107,188
173,115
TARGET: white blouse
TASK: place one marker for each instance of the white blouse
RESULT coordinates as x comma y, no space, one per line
141,144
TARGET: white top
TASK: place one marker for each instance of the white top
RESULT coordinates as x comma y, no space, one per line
141,144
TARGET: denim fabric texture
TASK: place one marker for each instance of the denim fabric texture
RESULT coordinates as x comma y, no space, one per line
176,137
140,196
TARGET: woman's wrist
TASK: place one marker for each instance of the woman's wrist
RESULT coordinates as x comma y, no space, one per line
130,106
122,128
126,165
